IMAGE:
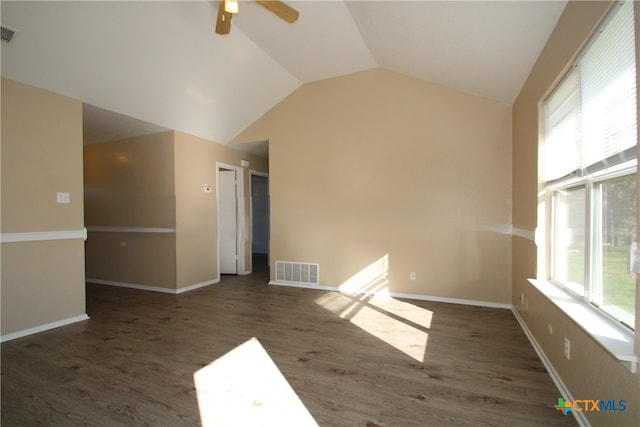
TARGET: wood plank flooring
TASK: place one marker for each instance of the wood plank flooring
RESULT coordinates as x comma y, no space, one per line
353,361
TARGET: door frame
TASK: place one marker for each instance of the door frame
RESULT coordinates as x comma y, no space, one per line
240,222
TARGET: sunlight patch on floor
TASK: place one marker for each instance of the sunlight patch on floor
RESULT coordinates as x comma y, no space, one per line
364,300
245,388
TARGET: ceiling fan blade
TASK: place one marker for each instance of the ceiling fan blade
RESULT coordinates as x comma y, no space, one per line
281,9
223,24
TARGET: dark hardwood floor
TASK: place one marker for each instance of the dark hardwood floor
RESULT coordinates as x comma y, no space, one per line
353,361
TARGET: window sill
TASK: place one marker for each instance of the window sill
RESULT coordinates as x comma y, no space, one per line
615,338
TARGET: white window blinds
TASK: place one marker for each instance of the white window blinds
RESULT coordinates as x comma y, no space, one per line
590,118
563,128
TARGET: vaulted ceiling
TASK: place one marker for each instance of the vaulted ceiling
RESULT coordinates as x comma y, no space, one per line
160,62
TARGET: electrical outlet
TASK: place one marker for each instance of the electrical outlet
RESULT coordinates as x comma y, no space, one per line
567,348
522,297
412,275
550,327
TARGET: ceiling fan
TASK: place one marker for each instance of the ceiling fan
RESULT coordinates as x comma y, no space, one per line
227,8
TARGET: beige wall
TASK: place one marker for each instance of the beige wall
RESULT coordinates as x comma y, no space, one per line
196,211
130,183
42,281
377,164
592,372
41,155
156,182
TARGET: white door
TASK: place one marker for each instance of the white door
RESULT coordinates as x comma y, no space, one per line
228,217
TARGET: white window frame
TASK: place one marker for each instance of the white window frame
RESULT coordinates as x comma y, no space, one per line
604,328
591,245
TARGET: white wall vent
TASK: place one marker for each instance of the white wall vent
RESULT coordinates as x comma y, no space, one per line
7,33
298,272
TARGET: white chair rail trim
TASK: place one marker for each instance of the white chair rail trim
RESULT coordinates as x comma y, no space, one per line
38,236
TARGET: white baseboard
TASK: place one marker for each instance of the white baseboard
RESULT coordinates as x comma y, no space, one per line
399,295
303,285
132,286
42,328
198,285
562,388
153,288
489,304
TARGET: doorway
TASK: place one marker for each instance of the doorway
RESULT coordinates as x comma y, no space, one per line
260,223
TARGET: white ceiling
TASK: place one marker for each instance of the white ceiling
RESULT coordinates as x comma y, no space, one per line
161,62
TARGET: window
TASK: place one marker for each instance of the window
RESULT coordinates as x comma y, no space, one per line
569,238
590,170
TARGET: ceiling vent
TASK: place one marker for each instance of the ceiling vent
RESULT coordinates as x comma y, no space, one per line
7,34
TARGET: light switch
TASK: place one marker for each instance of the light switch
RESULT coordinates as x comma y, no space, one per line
63,198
